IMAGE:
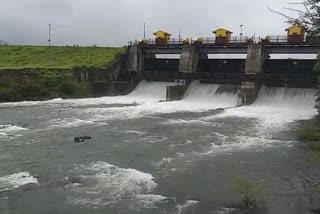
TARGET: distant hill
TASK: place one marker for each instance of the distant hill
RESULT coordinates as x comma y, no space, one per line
3,42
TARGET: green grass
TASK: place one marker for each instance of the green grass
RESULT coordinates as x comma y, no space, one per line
20,57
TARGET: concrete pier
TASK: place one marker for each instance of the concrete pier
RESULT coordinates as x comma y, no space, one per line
189,59
135,59
248,93
255,59
249,90
177,92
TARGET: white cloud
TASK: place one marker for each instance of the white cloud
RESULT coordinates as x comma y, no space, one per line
115,22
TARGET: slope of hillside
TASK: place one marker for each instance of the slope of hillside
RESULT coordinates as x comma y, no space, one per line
41,73
19,57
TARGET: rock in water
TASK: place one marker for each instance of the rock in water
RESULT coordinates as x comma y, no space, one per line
315,211
81,139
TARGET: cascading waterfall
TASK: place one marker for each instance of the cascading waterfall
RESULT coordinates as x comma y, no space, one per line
277,105
218,95
150,90
290,97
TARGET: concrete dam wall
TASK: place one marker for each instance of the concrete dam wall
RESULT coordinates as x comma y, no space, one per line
248,74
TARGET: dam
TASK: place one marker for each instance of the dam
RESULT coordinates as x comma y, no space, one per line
250,73
246,63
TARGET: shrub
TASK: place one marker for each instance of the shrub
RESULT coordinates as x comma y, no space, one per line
310,132
69,88
250,191
6,94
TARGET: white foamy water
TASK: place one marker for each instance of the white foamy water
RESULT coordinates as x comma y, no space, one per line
287,97
210,96
150,91
276,106
164,162
102,183
186,205
145,92
139,133
73,122
32,103
244,143
9,132
16,180
274,110
225,210
273,105
69,122
148,201
198,98
10,128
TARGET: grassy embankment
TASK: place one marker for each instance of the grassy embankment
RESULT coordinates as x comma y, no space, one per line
40,72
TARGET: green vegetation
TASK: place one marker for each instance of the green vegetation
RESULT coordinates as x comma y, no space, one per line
41,73
69,88
39,84
307,15
310,132
251,193
19,57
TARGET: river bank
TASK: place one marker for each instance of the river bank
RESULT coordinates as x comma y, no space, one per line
309,132
43,73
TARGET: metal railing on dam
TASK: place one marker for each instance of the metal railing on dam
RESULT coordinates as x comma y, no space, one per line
235,40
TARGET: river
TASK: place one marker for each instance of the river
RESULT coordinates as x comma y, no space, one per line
147,156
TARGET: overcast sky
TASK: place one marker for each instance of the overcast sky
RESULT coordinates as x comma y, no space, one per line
114,22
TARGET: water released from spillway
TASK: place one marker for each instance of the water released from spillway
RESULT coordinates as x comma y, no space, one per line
147,90
214,94
291,97
147,156
276,105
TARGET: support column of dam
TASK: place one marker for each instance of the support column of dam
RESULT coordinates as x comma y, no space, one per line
189,61
125,74
251,84
135,64
135,59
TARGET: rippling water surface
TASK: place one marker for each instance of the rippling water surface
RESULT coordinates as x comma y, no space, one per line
147,156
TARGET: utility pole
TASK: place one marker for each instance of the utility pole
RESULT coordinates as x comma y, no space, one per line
49,39
179,35
241,34
144,30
